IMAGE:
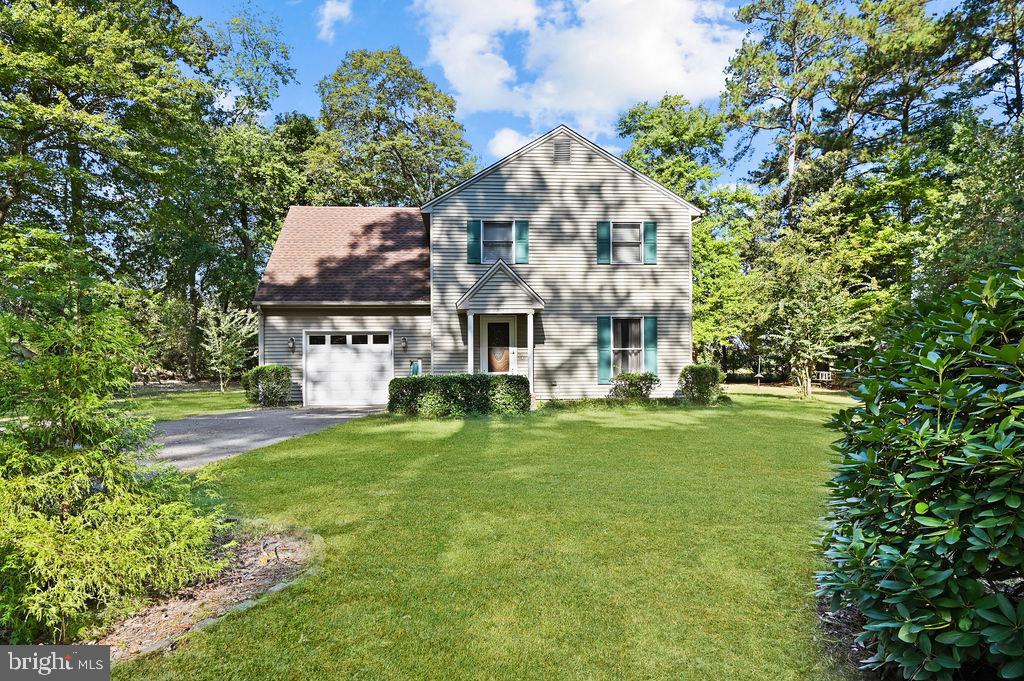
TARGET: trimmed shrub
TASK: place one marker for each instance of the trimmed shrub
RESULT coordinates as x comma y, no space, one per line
268,385
509,395
636,385
456,395
701,383
926,521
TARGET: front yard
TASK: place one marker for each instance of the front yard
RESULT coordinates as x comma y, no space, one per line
179,404
627,543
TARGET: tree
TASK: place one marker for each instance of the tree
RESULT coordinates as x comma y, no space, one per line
978,224
994,40
251,65
391,130
86,532
228,339
776,78
900,70
94,98
723,305
810,318
678,144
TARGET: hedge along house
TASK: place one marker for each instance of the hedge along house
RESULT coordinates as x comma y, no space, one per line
559,262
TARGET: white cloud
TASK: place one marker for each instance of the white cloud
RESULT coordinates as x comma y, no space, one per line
507,140
581,61
330,14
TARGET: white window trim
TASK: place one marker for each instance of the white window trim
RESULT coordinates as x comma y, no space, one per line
642,339
512,257
513,355
611,239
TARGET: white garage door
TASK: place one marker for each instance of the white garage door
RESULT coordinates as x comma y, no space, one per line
348,369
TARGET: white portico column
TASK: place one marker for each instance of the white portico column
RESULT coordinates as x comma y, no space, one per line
469,342
529,345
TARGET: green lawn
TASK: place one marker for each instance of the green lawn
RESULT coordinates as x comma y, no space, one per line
177,405
628,544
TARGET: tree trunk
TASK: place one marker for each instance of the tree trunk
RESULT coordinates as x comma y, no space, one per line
794,106
192,355
1017,105
76,196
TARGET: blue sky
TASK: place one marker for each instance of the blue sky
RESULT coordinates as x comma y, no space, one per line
516,67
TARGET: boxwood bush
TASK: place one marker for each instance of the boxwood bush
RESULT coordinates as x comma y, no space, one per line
456,395
268,385
701,383
636,385
926,520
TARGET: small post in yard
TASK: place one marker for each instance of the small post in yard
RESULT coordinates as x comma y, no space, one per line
759,375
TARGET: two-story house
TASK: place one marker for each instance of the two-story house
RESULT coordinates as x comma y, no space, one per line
559,262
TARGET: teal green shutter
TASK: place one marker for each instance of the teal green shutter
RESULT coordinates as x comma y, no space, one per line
522,242
650,243
604,243
651,344
473,241
604,350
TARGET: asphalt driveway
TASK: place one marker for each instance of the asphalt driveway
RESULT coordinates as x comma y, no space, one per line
198,440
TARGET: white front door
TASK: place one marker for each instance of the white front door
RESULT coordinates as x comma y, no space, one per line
348,369
498,345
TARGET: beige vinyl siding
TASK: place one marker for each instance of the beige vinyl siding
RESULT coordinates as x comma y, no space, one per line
501,291
564,203
281,323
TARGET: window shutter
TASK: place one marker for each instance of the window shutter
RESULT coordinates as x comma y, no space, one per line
604,243
650,243
522,242
473,241
604,350
651,344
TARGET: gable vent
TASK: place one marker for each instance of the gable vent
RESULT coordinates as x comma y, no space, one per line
561,151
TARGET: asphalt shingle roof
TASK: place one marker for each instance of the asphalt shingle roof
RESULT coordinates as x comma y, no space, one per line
336,254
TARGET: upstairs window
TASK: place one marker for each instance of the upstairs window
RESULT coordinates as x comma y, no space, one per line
497,242
626,242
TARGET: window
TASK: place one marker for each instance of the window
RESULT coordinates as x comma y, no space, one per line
360,339
381,339
627,346
317,340
497,242
339,340
626,242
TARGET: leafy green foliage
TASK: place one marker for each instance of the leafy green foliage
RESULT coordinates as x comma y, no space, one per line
268,385
228,340
809,307
86,534
701,383
678,144
390,132
926,525
456,395
634,385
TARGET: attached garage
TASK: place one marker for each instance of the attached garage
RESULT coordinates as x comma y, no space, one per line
348,368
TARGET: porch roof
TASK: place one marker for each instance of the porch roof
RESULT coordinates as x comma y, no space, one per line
500,289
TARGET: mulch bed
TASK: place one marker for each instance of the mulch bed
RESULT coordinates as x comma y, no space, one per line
841,629
259,566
